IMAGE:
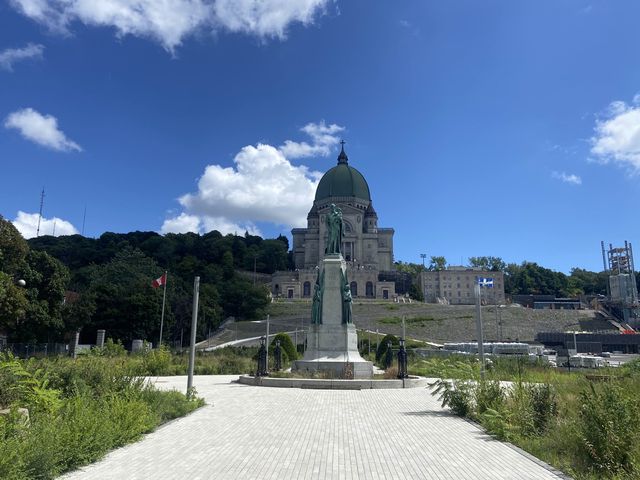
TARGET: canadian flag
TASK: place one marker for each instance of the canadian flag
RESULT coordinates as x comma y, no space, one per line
158,282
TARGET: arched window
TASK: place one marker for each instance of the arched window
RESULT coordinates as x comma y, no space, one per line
354,289
306,289
369,288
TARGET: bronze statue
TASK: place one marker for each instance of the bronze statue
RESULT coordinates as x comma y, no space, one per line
347,300
334,230
316,307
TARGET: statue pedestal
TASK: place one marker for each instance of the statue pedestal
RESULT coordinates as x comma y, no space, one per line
332,346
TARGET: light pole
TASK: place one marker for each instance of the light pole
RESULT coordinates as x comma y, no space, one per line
479,328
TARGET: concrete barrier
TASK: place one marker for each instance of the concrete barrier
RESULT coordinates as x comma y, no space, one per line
332,384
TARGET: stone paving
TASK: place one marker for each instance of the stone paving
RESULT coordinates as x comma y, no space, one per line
247,432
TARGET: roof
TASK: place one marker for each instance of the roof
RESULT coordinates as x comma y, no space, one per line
343,181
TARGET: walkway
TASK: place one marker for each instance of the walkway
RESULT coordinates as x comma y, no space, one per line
275,433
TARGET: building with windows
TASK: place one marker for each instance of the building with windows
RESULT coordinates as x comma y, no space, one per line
455,286
367,248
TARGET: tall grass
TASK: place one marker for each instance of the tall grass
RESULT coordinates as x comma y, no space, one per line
78,411
589,429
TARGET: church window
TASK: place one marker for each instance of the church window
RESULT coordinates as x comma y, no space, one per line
354,289
369,289
306,289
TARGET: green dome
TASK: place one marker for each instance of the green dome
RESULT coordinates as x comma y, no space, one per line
343,181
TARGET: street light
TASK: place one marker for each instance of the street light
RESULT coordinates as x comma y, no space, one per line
21,283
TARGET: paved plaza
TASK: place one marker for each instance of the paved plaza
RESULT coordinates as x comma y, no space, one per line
247,432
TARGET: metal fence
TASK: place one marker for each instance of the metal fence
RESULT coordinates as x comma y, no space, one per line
26,350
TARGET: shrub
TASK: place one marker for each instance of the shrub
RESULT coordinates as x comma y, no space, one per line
286,344
455,394
488,395
544,405
609,428
382,346
110,349
156,362
99,405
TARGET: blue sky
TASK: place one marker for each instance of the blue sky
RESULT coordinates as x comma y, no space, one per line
505,128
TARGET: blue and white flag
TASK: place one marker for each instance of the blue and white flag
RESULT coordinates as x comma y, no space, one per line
485,282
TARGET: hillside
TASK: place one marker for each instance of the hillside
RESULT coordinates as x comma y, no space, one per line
436,323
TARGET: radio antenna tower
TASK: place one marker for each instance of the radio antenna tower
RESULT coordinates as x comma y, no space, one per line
84,217
40,215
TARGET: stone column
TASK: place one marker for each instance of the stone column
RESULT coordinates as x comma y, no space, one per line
136,345
73,345
100,338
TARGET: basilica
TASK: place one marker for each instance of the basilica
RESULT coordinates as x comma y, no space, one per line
367,248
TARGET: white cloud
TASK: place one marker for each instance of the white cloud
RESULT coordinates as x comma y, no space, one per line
263,186
567,178
225,226
170,21
265,18
41,129
323,139
27,225
12,55
183,223
617,135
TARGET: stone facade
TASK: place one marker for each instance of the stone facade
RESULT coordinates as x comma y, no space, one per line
455,286
364,283
367,248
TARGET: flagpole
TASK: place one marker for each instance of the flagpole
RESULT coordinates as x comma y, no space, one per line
164,296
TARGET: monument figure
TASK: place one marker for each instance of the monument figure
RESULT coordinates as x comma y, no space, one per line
334,230
316,307
332,338
347,300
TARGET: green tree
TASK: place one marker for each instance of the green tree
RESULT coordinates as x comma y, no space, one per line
33,312
13,248
437,263
494,264
412,268
47,280
531,279
13,304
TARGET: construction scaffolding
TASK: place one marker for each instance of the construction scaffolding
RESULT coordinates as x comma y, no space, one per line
622,291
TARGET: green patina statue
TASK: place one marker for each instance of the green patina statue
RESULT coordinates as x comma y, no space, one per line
316,307
334,230
347,301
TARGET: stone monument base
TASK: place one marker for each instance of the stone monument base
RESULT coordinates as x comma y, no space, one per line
333,349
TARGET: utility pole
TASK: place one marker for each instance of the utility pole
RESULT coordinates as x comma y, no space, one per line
84,217
194,325
40,214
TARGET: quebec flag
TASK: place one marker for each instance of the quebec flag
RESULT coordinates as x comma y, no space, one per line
485,282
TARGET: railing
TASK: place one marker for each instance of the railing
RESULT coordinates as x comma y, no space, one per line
26,350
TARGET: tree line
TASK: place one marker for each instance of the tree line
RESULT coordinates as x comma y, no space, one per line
78,283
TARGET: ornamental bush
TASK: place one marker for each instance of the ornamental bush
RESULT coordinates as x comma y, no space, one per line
287,346
382,346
